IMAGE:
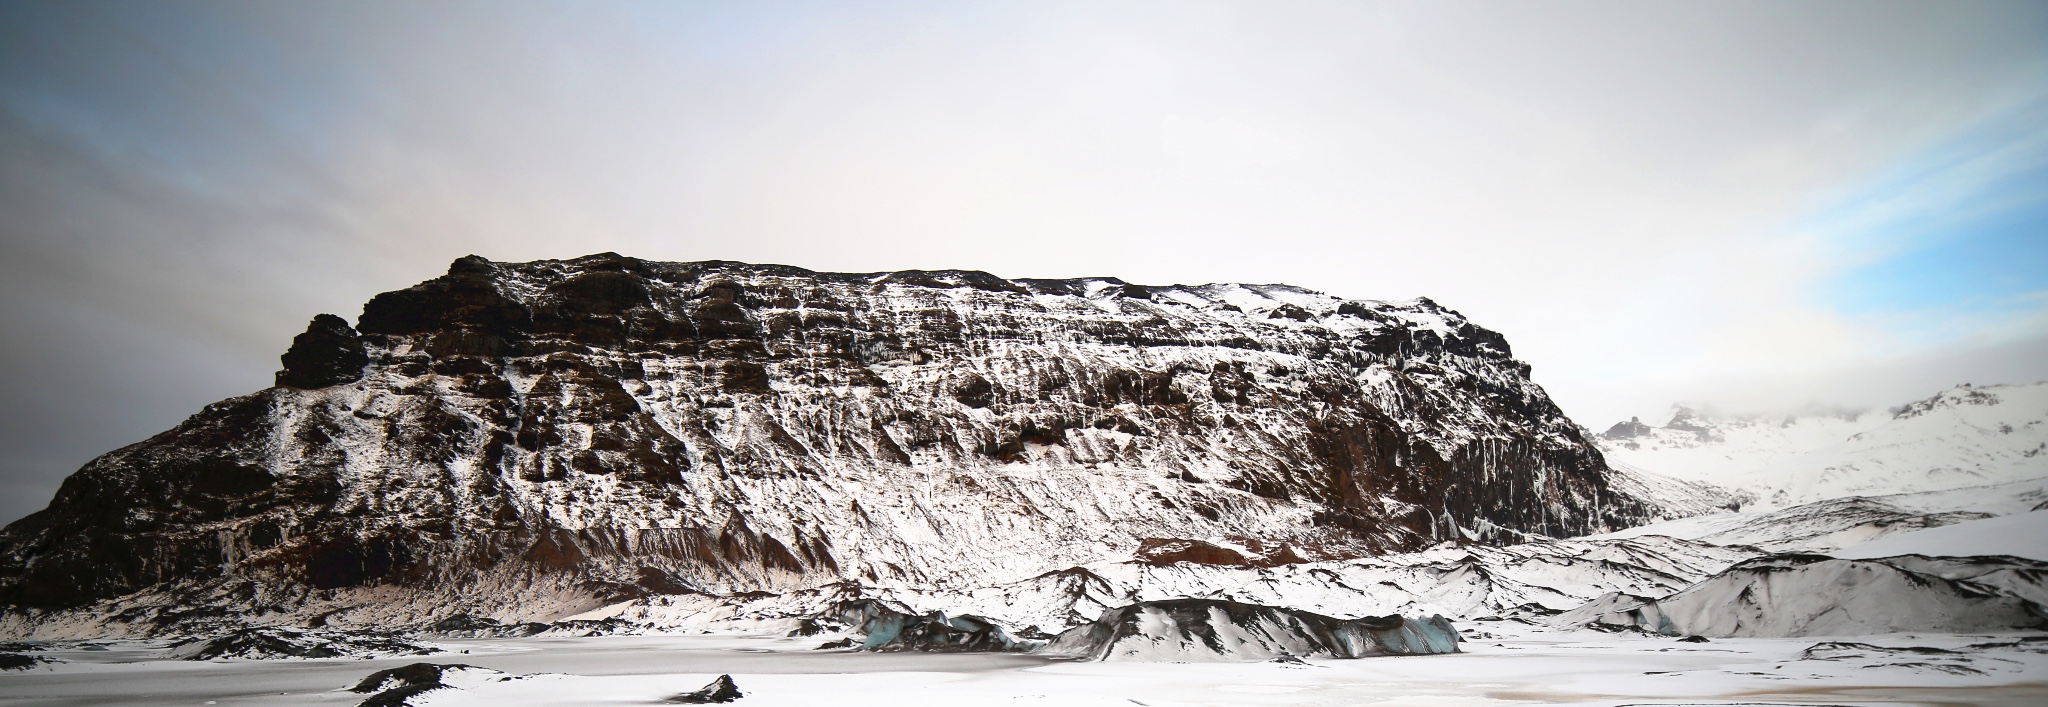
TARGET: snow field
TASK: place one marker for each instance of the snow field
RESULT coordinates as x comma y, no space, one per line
1516,664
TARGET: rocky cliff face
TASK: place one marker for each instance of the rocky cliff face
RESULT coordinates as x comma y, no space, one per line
527,439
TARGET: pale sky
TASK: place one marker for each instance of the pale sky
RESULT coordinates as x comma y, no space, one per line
1754,206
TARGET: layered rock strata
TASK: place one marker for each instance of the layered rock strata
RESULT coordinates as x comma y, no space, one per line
530,440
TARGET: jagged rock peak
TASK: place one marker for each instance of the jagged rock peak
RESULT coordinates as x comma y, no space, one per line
329,353
528,440
1964,394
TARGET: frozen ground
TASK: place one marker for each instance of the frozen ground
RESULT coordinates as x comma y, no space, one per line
1505,662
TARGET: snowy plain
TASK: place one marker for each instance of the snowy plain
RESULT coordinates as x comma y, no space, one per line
1502,663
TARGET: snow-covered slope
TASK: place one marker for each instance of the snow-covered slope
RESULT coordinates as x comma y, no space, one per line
1208,629
1963,437
1809,595
1837,524
1458,582
2018,535
533,440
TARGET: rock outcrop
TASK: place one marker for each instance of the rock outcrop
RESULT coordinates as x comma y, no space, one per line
273,642
530,440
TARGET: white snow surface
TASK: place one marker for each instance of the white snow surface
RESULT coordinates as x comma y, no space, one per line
1501,663
2018,535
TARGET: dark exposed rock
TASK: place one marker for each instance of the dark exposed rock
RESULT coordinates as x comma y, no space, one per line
719,691
396,687
17,661
1627,430
606,428
328,353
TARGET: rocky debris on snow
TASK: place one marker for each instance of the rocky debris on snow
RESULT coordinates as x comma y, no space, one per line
1813,595
1827,525
813,625
847,642
17,661
889,627
1976,658
612,626
1209,629
1532,580
467,626
1849,524
272,642
534,440
398,687
2018,576
719,691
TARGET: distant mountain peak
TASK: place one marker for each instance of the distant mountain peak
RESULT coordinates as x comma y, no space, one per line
1968,435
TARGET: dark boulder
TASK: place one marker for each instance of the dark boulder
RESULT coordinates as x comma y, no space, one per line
328,353
397,686
719,691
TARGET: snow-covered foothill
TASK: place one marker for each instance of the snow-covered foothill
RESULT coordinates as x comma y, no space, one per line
1211,629
1812,595
1840,524
2018,535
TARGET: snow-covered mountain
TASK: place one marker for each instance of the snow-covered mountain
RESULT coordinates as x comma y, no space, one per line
533,440
1963,437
